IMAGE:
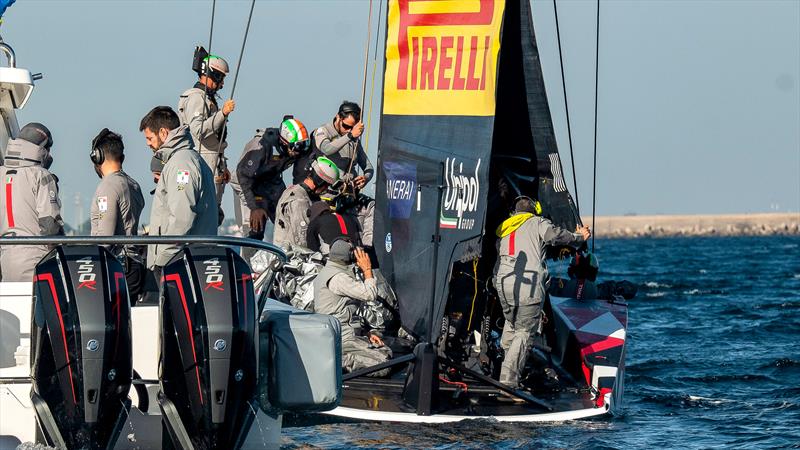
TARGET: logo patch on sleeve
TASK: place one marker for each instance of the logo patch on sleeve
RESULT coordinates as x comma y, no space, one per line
102,204
183,177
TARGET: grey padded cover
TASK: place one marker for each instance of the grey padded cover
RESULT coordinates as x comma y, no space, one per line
301,360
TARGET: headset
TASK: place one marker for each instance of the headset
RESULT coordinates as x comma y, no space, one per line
97,155
537,206
349,109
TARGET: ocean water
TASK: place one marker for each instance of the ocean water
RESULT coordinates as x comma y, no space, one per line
713,358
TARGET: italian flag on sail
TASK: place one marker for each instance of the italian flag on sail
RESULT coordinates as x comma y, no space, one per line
447,222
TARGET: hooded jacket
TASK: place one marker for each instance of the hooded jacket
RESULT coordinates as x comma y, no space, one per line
184,202
30,206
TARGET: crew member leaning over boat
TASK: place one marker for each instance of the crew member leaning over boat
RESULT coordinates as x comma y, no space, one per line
520,277
30,205
337,292
291,215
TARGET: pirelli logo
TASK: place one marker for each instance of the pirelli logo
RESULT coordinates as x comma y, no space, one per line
441,57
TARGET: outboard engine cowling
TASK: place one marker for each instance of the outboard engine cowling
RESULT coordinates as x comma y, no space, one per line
209,359
81,366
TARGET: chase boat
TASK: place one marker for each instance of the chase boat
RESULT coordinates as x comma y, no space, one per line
211,364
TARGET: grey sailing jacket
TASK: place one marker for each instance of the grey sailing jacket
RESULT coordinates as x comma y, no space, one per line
30,207
185,200
521,256
335,286
116,206
291,217
209,119
340,150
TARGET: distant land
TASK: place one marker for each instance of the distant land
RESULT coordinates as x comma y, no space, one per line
697,225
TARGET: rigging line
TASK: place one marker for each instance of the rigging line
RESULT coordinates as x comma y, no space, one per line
374,68
364,83
596,77
206,68
241,51
235,78
566,108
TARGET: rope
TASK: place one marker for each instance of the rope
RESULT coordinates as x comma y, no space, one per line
364,83
374,68
566,107
235,80
596,77
206,69
459,384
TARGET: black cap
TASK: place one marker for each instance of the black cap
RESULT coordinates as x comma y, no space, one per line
36,134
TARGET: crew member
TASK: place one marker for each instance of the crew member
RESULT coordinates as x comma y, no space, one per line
29,201
198,109
520,277
339,141
258,181
117,205
338,292
325,226
291,217
184,201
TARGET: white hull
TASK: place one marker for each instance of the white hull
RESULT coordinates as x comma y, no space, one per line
385,416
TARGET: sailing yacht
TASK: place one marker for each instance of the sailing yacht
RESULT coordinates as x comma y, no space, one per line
466,127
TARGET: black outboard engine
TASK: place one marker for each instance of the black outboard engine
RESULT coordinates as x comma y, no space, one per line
209,358
82,361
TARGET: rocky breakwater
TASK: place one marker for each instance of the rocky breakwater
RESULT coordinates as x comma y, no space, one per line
697,225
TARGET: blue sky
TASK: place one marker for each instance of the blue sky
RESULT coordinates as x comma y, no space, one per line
699,102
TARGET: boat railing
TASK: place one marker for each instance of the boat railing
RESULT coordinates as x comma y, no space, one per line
266,278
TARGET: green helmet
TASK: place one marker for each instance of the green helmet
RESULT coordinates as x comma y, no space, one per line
326,170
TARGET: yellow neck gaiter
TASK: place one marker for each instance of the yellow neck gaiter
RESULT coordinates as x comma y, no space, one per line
512,223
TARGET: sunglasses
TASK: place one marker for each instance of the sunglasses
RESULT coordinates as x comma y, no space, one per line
345,126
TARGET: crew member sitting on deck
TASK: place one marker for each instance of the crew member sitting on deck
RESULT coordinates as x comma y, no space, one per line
337,292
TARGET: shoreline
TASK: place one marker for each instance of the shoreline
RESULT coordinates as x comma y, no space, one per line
762,224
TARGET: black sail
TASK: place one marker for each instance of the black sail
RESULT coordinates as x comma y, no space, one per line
464,107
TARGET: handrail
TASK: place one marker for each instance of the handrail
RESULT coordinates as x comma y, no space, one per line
12,58
138,240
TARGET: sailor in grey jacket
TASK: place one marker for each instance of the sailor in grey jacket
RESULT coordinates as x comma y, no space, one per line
184,202
29,202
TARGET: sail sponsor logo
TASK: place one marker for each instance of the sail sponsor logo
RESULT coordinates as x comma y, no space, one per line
441,57
401,188
461,195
